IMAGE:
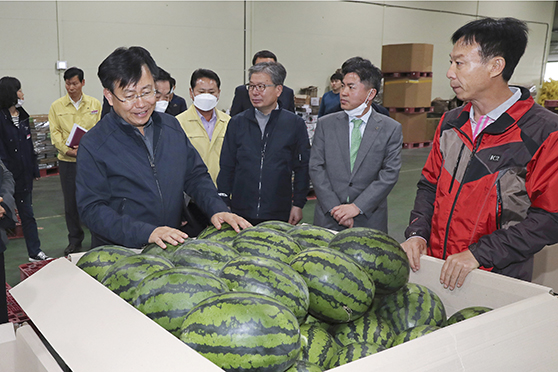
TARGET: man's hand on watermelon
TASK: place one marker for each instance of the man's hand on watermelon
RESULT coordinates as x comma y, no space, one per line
415,247
236,222
167,234
456,268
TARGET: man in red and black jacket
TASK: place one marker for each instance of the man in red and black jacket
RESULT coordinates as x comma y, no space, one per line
487,194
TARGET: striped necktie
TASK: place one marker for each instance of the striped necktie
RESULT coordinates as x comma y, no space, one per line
356,137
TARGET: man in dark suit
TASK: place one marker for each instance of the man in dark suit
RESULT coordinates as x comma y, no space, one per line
356,155
241,100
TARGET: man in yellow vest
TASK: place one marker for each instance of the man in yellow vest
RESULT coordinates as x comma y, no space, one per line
85,111
204,125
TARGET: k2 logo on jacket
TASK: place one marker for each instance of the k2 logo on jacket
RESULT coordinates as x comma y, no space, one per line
494,157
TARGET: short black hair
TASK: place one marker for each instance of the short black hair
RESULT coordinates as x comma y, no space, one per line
204,73
8,91
263,54
370,75
162,75
124,67
496,37
73,71
337,75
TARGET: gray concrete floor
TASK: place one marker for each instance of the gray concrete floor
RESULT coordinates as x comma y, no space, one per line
49,212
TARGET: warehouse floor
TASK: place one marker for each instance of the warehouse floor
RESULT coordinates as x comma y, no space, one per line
49,211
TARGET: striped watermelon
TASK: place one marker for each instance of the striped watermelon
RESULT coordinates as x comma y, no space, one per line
97,261
328,327
124,276
241,331
225,235
318,346
353,352
369,328
276,225
411,306
340,290
154,250
308,236
303,366
269,277
166,296
378,253
467,313
265,242
203,254
412,333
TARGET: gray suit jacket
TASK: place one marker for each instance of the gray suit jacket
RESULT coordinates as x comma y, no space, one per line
375,172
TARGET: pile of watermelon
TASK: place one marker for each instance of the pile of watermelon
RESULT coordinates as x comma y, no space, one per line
276,297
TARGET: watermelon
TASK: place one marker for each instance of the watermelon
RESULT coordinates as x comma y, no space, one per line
203,254
412,333
467,313
166,296
97,261
124,276
318,346
242,331
378,253
154,250
369,328
340,290
353,352
276,225
304,366
225,235
269,277
265,242
308,236
320,323
411,306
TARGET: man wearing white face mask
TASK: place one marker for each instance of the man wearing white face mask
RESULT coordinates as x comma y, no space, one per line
356,155
167,101
204,125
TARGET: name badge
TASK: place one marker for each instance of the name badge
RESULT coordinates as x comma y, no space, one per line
94,112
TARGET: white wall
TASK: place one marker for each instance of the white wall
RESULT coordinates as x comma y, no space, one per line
310,38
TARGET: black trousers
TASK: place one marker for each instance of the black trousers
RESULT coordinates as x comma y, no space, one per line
3,300
68,182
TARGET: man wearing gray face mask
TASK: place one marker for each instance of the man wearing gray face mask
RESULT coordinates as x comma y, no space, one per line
204,125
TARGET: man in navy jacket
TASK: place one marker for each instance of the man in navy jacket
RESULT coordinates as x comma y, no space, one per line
135,165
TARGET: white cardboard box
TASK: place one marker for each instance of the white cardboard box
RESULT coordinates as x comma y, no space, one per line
94,330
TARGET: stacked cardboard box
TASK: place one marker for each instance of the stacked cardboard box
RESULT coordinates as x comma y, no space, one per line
307,105
407,72
46,152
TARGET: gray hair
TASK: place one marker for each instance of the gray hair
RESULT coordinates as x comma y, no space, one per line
275,70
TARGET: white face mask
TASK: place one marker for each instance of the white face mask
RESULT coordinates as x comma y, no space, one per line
205,101
357,111
161,106
20,102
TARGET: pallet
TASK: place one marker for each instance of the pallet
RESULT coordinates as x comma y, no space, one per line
15,312
414,74
411,110
16,232
47,172
28,269
417,145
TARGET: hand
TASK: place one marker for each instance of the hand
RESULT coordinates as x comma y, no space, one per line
347,222
72,152
414,247
167,234
296,215
232,219
344,212
456,268
2,210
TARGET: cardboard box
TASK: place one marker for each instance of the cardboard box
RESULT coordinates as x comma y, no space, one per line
431,126
94,330
413,125
407,58
407,92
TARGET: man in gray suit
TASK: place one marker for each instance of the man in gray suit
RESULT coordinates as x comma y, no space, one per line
356,155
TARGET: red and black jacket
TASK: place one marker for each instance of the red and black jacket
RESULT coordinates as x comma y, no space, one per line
496,195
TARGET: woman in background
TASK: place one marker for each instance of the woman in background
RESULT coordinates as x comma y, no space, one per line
18,155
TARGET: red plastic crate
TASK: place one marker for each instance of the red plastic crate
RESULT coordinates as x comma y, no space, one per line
15,312
28,269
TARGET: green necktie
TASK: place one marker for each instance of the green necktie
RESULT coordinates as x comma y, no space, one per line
356,137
